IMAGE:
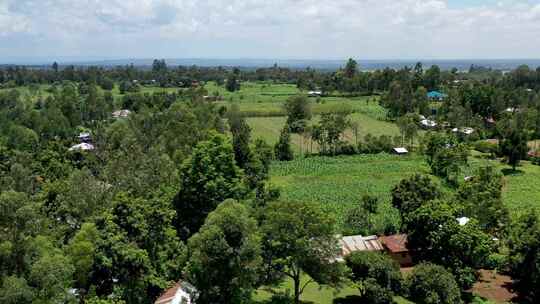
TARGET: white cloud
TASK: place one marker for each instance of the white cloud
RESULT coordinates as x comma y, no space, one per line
262,28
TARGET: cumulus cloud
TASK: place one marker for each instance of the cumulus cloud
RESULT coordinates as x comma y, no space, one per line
275,29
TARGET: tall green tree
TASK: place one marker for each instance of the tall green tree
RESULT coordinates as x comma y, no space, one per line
524,244
300,238
298,110
207,178
225,255
481,196
282,149
514,144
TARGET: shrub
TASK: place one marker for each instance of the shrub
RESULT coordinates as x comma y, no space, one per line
379,268
485,147
433,284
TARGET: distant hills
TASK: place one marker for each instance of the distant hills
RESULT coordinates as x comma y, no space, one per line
460,64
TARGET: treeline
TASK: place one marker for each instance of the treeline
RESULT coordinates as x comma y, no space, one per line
348,79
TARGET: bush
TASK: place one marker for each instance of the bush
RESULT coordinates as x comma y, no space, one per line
485,147
379,268
374,145
433,284
376,294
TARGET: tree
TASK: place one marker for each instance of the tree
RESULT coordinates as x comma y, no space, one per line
138,252
241,133
15,290
298,111
300,238
377,266
514,145
412,192
435,234
282,149
432,284
482,197
408,127
328,132
351,68
524,244
51,274
225,255
207,178
232,84
445,155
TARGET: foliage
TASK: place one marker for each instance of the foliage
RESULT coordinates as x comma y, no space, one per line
482,197
524,244
411,193
208,177
225,255
282,149
299,238
432,284
445,155
514,145
376,266
298,109
436,236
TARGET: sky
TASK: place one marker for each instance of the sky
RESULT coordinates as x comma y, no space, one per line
270,29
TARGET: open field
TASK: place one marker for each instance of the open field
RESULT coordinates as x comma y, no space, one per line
337,183
314,293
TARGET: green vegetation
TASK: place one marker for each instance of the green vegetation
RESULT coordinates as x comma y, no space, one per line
103,207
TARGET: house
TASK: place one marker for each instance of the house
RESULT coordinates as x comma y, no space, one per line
426,123
315,93
436,95
121,114
82,147
464,130
396,246
354,243
84,137
400,151
181,293
463,220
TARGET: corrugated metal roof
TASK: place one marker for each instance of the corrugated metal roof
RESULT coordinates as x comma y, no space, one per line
350,244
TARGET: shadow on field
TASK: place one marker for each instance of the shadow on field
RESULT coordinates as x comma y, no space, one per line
348,300
509,171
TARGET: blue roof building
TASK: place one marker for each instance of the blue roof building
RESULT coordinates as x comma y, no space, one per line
436,95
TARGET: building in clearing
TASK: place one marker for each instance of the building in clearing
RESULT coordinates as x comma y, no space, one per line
428,124
181,293
354,243
82,147
121,113
436,95
400,151
314,93
396,246
84,137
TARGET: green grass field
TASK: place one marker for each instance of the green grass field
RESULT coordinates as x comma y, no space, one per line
314,293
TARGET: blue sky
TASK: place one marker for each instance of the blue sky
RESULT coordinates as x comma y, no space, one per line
277,29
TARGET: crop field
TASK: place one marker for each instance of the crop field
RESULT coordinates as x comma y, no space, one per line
337,183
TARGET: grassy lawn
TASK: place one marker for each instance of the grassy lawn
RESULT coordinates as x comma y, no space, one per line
269,129
313,293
